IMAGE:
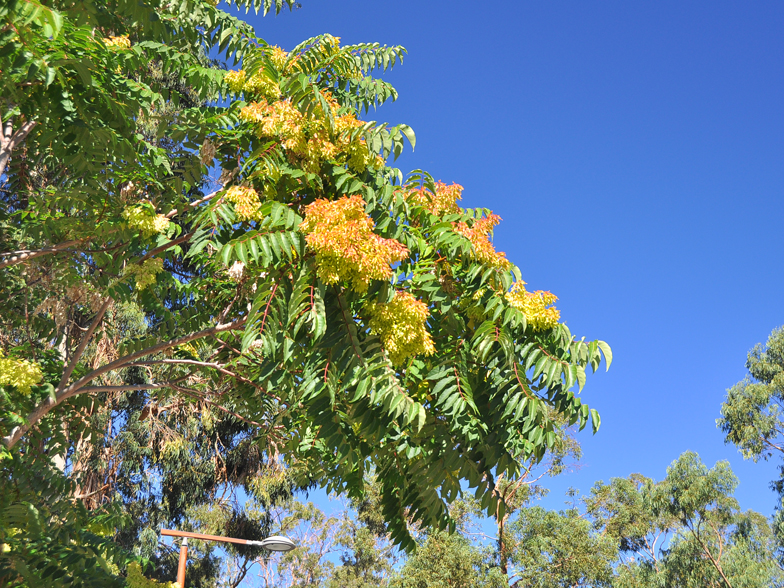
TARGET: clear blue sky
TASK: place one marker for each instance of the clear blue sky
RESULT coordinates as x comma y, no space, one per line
635,151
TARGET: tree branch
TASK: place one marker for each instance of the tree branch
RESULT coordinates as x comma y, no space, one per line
194,204
10,141
78,387
15,257
165,246
715,563
198,395
215,366
128,387
83,344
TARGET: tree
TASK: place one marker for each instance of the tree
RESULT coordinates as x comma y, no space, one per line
355,318
448,560
686,530
355,534
752,417
514,494
559,550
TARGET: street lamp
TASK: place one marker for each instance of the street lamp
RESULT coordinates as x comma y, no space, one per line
274,543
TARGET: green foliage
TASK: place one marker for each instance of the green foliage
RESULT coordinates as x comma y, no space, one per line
752,415
152,305
47,538
448,561
559,550
752,412
686,530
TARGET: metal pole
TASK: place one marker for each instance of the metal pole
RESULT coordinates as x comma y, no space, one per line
183,560
203,537
274,543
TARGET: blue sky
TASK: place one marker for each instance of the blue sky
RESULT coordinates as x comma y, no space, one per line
635,151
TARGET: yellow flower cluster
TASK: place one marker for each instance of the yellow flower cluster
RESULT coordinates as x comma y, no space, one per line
144,274
19,373
235,80
534,305
280,119
122,42
347,249
136,579
359,157
308,141
402,326
442,201
278,57
145,220
246,202
479,235
259,84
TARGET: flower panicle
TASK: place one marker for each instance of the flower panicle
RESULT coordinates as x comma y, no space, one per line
310,141
442,201
145,275
246,202
20,373
535,306
479,236
119,42
347,249
143,219
401,324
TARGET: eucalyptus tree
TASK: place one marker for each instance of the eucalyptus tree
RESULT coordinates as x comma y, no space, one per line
752,415
357,318
686,530
551,549
449,560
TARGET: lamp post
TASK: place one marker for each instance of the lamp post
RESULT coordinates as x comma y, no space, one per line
274,543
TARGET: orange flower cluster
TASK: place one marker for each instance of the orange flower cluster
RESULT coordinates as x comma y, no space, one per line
246,202
347,249
442,201
479,235
401,324
534,305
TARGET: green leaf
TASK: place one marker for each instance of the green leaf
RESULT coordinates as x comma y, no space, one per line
596,420
607,353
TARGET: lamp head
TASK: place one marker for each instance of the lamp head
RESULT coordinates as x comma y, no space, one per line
277,543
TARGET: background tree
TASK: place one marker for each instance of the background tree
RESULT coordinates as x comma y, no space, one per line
449,560
686,530
515,494
558,550
752,417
